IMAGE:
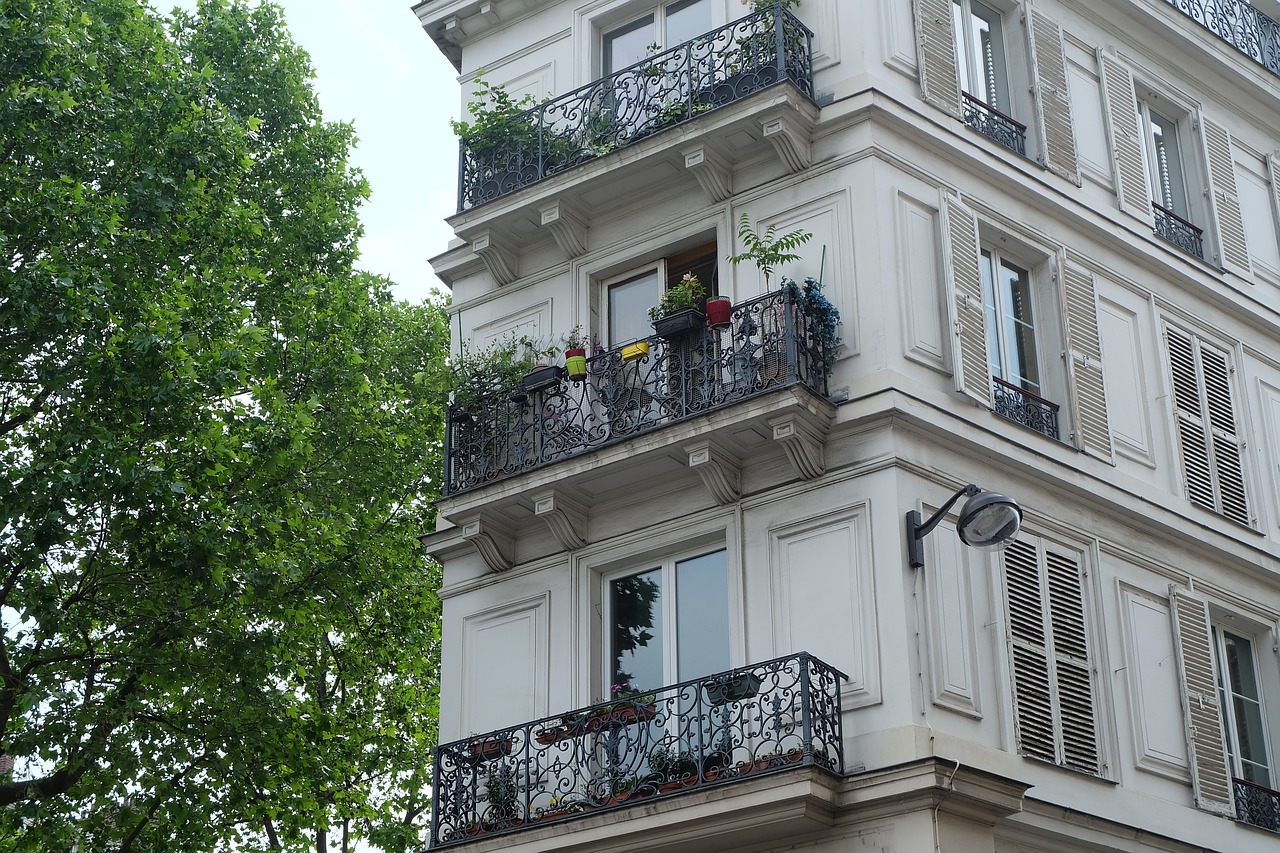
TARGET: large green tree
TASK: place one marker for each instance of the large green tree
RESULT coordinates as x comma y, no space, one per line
216,450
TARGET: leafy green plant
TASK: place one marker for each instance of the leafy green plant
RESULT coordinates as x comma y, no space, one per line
484,373
824,317
689,293
500,787
505,130
767,250
670,764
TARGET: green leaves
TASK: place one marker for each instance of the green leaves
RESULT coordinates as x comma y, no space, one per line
216,448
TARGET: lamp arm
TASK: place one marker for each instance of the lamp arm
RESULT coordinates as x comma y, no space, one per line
925,529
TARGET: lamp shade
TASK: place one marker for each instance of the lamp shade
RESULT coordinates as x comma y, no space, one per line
989,521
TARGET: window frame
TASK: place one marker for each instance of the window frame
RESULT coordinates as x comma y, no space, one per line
599,20
669,266
1231,730
969,64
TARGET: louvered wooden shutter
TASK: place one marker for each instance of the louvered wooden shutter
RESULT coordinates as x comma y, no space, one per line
1273,176
970,366
1224,198
1207,437
1084,359
1201,712
1120,102
1054,714
1053,101
936,54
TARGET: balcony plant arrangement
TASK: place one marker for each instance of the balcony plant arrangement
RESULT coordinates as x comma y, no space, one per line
575,355
485,375
753,61
680,309
767,250
824,318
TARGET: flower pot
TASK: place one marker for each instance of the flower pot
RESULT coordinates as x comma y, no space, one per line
680,323
489,750
719,312
461,417
636,351
542,377
733,689
575,363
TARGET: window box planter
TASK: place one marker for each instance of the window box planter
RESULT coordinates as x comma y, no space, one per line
680,323
490,749
734,689
635,351
542,377
604,720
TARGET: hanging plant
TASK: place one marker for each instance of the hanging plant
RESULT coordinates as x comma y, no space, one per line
823,316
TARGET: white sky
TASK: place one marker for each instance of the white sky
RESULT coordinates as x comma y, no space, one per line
377,68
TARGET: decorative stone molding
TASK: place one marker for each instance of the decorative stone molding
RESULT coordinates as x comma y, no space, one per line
500,260
803,442
720,470
713,175
493,540
789,139
566,518
566,225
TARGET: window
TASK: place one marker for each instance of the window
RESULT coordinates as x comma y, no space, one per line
1241,701
1053,701
630,296
984,74
1208,438
669,623
1011,345
668,25
1166,178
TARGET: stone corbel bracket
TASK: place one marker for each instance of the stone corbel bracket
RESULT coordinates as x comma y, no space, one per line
713,174
499,259
720,470
804,440
493,540
566,518
567,226
789,138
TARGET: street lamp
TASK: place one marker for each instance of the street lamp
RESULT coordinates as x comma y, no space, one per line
988,521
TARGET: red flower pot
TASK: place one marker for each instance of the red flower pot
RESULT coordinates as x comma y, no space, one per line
719,312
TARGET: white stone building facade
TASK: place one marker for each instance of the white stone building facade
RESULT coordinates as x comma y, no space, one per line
1052,232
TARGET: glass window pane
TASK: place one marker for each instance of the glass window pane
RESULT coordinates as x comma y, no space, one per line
702,615
628,44
962,50
686,21
629,304
635,607
989,303
1249,732
1170,189
1019,325
988,48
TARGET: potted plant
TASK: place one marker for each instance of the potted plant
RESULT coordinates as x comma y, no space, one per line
732,688
767,250
719,312
823,318
672,769
680,309
489,749
575,354
753,61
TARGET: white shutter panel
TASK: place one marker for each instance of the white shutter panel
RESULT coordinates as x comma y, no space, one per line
1210,773
1028,652
1052,99
1225,445
1273,177
936,54
1084,360
971,368
1120,102
1224,199
1193,434
1073,671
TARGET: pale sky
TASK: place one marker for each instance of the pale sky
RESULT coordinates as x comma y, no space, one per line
377,68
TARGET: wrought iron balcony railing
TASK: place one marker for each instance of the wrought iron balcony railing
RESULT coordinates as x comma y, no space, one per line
634,389
1238,24
1256,805
1022,407
995,125
1178,231
662,91
707,732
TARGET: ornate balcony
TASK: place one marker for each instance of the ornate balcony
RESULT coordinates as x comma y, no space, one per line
995,125
1022,407
1178,231
1256,805
708,732
1238,24
661,92
638,388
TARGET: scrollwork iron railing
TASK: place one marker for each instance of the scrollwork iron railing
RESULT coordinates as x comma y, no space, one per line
634,389
1178,231
995,125
1022,407
1240,25
1256,805
706,732
662,91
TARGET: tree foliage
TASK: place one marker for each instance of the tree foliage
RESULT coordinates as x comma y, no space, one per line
216,448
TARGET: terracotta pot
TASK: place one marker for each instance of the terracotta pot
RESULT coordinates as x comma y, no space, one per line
719,312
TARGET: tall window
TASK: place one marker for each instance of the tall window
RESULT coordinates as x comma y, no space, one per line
1167,179
1242,712
984,74
669,623
1011,328
630,297
668,25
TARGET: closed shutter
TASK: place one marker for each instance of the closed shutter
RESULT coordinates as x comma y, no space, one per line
1054,714
1120,103
1208,440
1053,101
1084,360
1201,712
1224,198
1273,177
968,318
936,54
